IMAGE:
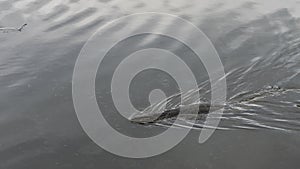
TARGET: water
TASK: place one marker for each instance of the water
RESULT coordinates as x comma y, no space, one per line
258,43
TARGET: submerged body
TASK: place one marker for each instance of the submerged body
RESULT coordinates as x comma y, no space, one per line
149,117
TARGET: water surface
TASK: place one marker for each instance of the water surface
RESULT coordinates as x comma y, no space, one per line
258,43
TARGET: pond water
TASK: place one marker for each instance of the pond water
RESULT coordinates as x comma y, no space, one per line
258,44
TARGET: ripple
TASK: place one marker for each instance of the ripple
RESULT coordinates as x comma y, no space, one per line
75,18
60,10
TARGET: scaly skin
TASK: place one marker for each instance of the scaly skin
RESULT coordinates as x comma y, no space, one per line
196,109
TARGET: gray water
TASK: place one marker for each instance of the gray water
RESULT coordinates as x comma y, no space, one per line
259,45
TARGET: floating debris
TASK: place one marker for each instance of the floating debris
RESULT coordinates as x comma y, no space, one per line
12,29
